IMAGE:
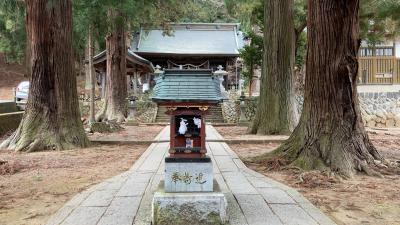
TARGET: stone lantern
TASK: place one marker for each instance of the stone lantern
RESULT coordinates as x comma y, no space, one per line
158,71
220,73
242,118
131,110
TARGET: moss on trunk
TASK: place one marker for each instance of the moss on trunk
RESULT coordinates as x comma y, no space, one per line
52,118
276,111
115,106
330,133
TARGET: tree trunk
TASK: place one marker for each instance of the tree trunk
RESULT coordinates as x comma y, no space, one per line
276,112
92,78
251,80
87,67
52,118
115,105
330,133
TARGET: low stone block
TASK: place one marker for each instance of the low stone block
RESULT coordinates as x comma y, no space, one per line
188,175
10,121
196,208
390,123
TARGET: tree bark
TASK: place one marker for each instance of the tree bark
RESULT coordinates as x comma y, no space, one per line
276,112
330,133
87,67
52,118
251,80
115,105
92,78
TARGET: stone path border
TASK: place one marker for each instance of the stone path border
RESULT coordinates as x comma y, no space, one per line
260,140
228,141
253,140
126,142
253,198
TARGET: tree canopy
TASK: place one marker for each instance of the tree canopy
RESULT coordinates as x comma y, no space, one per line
93,14
12,30
379,20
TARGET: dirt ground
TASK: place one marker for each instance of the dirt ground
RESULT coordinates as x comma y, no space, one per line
142,133
235,132
362,200
36,185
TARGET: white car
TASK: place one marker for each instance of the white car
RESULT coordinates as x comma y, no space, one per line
21,94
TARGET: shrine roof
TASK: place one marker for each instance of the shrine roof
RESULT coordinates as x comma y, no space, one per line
132,59
187,86
218,39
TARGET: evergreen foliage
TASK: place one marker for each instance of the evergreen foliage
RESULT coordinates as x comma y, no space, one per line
252,55
93,13
379,20
12,30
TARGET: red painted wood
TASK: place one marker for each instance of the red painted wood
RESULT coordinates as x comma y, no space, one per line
203,134
172,133
179,140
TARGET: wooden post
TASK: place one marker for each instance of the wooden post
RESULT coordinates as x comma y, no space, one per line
103,84
128,84
135,77
172,133
374,68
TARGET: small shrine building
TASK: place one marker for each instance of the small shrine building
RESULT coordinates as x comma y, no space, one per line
188,183
187,95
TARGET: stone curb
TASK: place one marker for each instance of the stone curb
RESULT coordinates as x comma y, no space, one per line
247,141
117,142
165,124
372,129
228,141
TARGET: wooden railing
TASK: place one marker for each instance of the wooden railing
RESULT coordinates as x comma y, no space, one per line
379,70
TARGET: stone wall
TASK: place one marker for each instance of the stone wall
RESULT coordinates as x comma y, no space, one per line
231,108
8,107
146,111
380,109
10,121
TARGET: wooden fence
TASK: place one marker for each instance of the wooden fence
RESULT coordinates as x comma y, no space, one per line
379,70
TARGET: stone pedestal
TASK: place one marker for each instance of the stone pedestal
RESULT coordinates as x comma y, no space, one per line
242,119
188,175
194,208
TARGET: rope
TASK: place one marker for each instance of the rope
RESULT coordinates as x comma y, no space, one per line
189,65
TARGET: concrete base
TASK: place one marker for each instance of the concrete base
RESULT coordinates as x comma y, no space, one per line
197,208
